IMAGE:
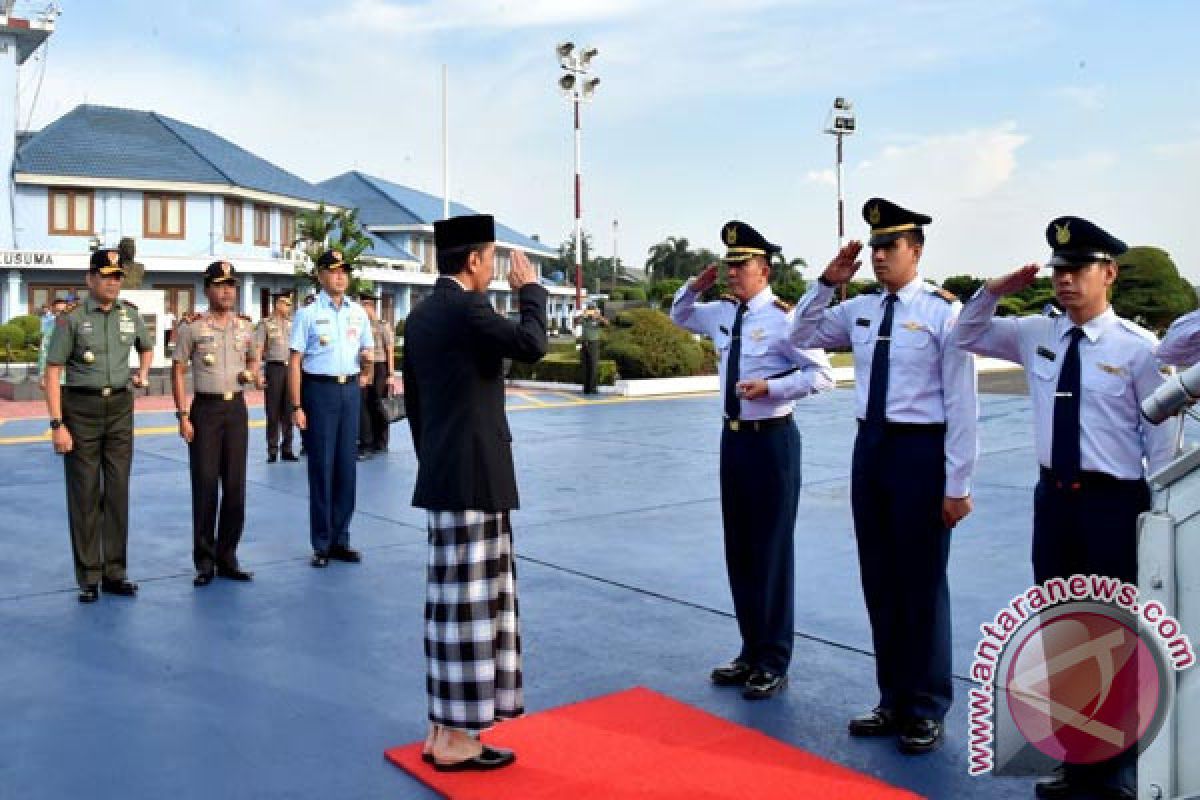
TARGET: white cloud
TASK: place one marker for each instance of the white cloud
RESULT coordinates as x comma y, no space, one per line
826,177
1084,98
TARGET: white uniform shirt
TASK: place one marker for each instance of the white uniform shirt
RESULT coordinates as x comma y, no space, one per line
1117,371
790,372
1180,346
929,381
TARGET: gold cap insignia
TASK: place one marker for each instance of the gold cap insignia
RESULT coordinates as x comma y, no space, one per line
114,258
1062,233
225,268
88,356
731,235
873,216
209,359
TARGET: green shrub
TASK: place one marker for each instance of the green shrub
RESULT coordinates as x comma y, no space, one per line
12,336
646,344
566,348
31,326
400,329
561,368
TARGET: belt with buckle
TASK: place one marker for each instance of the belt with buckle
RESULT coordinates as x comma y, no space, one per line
1087,479
756,425
219,395
312,376
96,391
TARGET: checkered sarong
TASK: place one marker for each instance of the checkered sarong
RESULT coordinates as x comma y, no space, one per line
472,641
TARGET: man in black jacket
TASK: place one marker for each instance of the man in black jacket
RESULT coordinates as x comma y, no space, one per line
454,348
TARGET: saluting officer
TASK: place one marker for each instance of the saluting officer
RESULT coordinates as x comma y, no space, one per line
762,373
1180,345
220,346
272,337
1089,371
91,421
330,363
911,471
373,426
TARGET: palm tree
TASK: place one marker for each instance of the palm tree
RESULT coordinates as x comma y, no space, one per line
322,230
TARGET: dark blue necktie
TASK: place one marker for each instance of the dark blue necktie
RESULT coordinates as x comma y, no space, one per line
1064,444
733,403
877,393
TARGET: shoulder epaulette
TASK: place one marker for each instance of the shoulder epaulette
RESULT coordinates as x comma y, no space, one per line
728,298
69,308
128,304
1134,328
188,318
245,317
782,305
948,296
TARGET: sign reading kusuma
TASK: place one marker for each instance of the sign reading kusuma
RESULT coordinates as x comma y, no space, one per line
26,258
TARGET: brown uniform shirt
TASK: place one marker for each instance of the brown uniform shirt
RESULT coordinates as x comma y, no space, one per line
272,337
219,354
385,340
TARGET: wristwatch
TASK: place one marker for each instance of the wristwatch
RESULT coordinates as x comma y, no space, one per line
181,415
55,423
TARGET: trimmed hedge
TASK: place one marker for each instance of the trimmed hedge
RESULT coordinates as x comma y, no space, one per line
560,368
31,326
646,344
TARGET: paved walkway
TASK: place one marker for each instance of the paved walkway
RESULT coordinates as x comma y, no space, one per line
294,685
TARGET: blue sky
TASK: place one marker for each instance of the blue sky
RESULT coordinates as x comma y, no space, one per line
993,117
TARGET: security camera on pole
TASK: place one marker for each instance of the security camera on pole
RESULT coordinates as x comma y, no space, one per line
577,85
841,123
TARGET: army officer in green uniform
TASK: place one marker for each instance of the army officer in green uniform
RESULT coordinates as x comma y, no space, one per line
91,421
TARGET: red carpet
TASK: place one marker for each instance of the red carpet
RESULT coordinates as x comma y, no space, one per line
641,744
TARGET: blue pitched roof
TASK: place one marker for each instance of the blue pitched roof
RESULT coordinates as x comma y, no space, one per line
386,247
381,202
102,142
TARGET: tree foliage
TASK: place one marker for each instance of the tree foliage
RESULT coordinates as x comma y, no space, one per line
1149,289
322,230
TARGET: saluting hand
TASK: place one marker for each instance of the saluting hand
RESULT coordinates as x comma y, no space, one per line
955,509
62,441
843,266
186,431
705,279
521,272
1014,281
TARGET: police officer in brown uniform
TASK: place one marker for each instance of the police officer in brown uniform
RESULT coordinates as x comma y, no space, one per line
220,346
91,422
373,424
271,344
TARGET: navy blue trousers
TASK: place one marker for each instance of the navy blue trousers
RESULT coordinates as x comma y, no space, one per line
331,442
760,489
1091,530
898,481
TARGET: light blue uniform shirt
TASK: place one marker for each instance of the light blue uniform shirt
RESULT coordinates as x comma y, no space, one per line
930,381
790,372
331,338
1117,372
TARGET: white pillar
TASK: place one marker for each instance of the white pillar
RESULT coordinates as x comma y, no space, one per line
403,301
16,304
249,301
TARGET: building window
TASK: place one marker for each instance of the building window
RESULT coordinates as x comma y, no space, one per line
163,216
262,226
233,220
41,294
287,229
71,212
178,298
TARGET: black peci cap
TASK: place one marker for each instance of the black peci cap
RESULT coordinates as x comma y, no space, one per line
466,231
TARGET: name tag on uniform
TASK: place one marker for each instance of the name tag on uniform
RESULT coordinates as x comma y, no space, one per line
863,322
86,327
127,326
758,334
1047,353
322,322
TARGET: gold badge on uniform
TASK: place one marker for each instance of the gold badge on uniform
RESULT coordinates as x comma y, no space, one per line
1112,370
1062,233
913,325
209,359
246,376
323,339
88,356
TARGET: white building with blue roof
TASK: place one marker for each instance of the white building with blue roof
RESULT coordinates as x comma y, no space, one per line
187,197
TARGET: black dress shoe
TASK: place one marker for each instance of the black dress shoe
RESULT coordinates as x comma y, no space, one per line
290,457
271,458
1057,787
235,573
345,553
320,560
878,721
122,587
1114,791
762,684
363,455
490,758
202,579
732,674
89,594
921,736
